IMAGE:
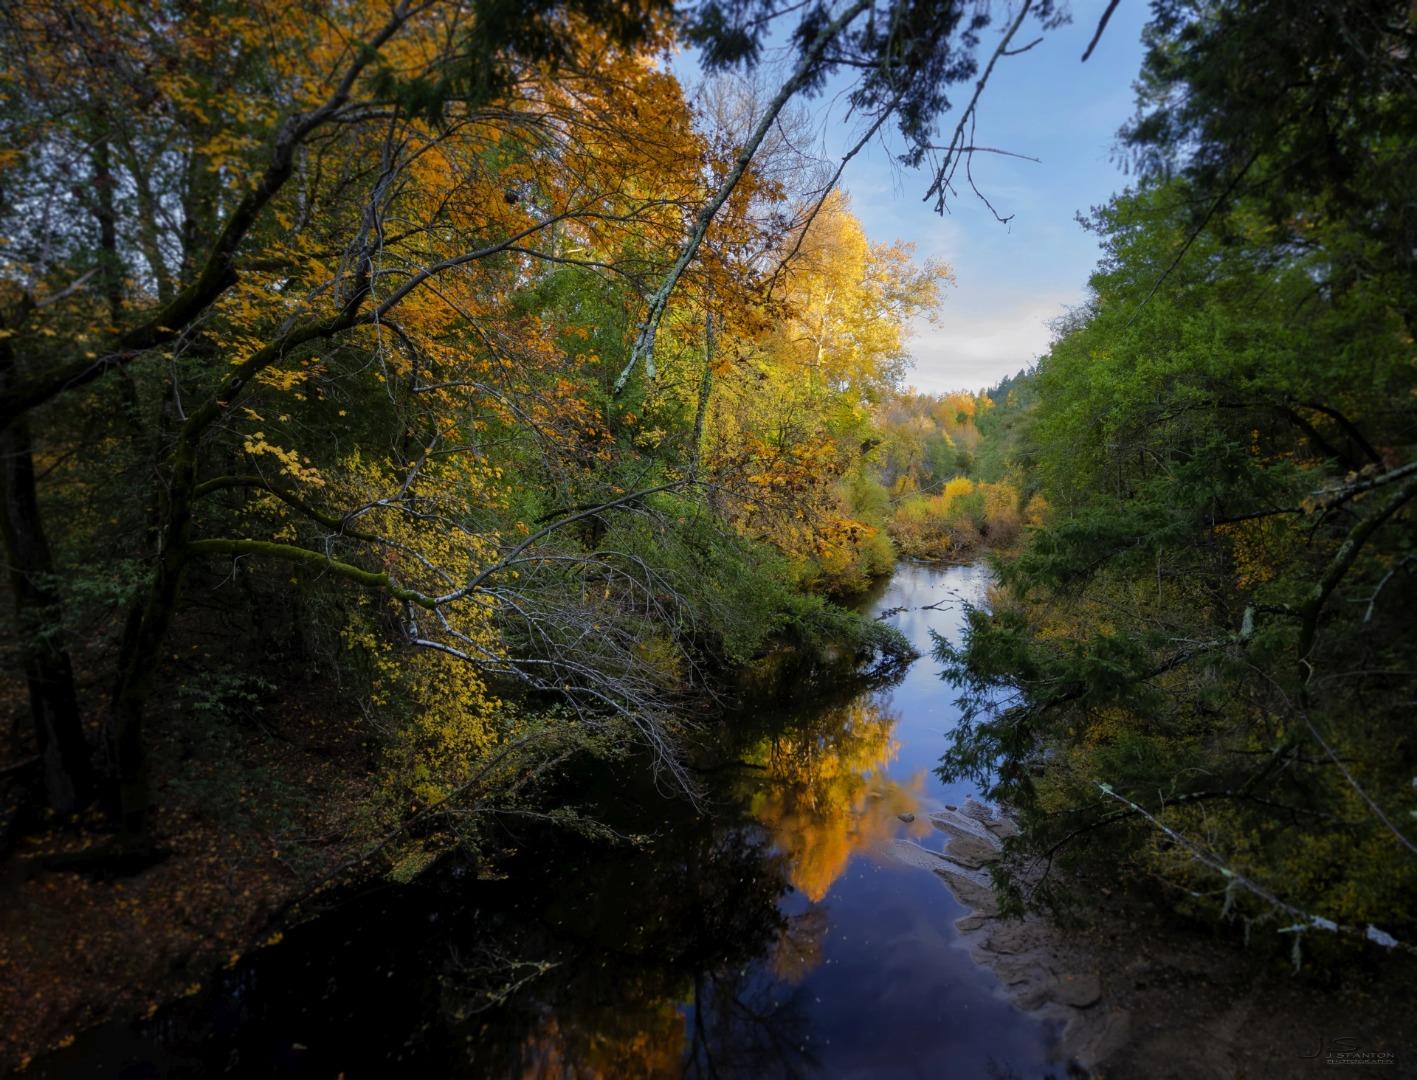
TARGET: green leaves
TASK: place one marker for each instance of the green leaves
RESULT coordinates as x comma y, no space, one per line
1203,601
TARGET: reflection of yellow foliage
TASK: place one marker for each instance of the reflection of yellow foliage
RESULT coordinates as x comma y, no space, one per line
828,797
647,1041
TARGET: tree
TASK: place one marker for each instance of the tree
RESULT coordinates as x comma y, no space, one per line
1303,114
363,208
1205,636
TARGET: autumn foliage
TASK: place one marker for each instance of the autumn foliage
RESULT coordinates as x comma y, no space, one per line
313,346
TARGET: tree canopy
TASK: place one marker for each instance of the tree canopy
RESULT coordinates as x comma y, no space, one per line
1203,647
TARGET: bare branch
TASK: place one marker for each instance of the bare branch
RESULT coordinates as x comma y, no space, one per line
1101,26
643,348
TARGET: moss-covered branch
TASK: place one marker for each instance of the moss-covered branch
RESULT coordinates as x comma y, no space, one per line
294,553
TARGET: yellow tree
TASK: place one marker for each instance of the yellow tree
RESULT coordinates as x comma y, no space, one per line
305,228
793,416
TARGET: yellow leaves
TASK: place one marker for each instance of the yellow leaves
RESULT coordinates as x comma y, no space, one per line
1036,512
963,515
849,303
282,379
1105,724
1260,548
446,718
953,490
663,656
291,463
451,725
226,148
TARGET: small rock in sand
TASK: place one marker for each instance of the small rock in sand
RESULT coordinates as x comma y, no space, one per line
1078,990
971,851
977,810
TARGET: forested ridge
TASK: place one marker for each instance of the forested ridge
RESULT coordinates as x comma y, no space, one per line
1198,672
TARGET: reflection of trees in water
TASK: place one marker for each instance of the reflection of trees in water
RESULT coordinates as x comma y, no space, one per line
799,947
656,960
746,1024
676,959
587,958
826,795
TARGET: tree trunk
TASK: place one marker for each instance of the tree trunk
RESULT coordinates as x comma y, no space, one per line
696,450
142,652
54,707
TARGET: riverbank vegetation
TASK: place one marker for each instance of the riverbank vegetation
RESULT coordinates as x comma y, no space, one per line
949,485
1198,671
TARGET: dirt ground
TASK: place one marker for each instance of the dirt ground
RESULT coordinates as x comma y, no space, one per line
83,940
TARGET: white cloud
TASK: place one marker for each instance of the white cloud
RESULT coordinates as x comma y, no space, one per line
975,349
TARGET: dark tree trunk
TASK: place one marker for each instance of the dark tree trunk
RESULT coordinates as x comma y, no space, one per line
696,449
142,649
54,707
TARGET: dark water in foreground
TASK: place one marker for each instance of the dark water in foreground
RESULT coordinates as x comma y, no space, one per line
767,937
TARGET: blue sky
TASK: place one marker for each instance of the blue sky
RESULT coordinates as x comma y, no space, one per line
1011,280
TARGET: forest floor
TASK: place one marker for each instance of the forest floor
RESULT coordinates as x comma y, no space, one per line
245,825
1183,1001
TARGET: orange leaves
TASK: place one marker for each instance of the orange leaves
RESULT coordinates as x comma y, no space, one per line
1261,548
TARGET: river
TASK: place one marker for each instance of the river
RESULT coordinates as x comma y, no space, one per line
769,934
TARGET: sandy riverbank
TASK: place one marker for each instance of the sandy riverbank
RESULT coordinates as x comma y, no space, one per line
1135,995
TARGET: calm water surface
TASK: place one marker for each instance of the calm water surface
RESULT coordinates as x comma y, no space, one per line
767,936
